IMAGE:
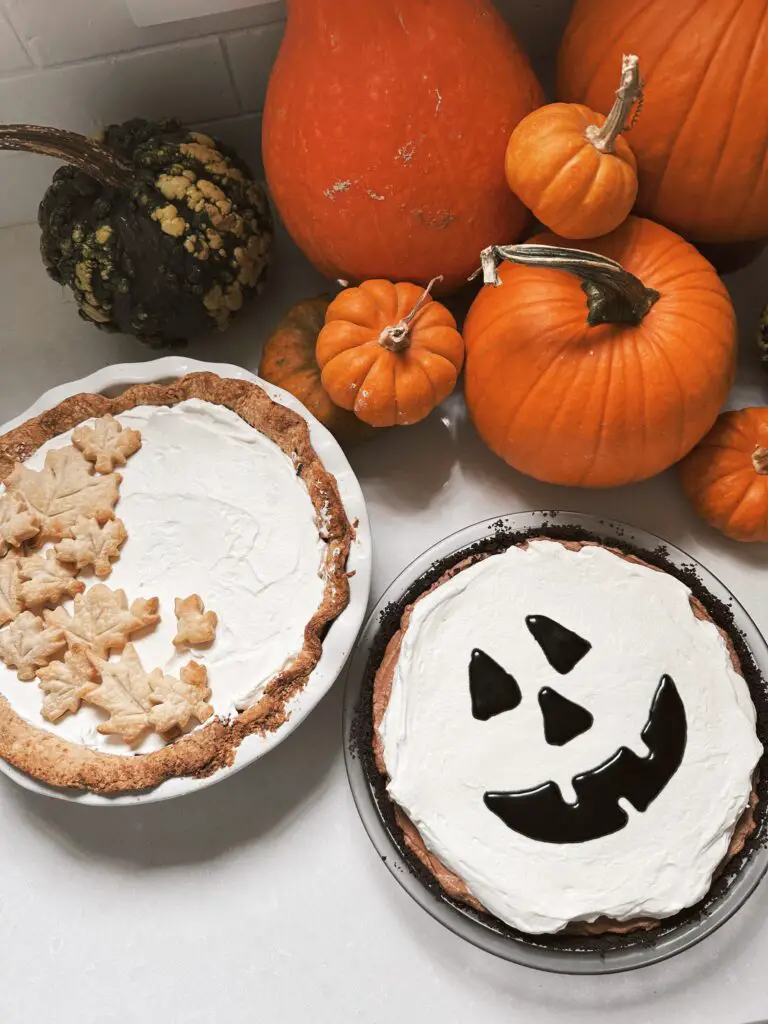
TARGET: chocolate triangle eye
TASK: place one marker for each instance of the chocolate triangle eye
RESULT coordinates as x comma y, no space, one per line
491,688
563,720
562,648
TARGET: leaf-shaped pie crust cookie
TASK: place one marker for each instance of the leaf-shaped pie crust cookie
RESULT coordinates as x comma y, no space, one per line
44,580
176,701
196,627
103,620
10,601
92,544
137,700
17,522
28,644
65,684
124,692
63,490
106,444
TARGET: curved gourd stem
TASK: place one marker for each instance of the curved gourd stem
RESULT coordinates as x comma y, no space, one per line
397,337
86,154
614,296
629,92
760,460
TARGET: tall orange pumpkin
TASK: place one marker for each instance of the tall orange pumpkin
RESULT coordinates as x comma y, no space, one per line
605,374
385,127
700,144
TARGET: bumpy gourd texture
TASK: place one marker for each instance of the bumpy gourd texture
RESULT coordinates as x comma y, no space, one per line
172,255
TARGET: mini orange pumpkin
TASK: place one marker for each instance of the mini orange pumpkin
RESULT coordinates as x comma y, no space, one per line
726,476
288,360
389,352
572,168
604,380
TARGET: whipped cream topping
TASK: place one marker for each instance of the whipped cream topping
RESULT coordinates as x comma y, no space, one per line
212,507
441,760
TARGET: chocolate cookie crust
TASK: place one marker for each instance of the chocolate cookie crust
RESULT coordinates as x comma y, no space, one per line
59,762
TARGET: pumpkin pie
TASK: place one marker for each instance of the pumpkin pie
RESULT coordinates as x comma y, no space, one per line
567,739
171,559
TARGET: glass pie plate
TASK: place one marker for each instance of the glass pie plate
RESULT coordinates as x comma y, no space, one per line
562,954
338,641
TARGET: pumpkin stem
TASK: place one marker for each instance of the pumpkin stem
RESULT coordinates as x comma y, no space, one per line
614,296
630,91
79,151
760,460
397,337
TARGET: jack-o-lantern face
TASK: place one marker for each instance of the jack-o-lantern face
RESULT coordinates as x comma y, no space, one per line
541,813
568,737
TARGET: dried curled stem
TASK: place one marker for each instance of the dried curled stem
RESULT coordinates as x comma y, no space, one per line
614,295
630,91
397,337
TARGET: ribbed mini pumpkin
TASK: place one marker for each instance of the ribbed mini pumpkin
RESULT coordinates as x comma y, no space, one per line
159,231
389,352
607,373
571,166
726,476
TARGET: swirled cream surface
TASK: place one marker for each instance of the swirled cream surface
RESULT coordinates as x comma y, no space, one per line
212,507
648,677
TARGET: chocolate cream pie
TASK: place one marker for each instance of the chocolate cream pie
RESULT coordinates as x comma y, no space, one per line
567,738
154,617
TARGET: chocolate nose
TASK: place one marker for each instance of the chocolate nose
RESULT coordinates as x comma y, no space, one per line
563,720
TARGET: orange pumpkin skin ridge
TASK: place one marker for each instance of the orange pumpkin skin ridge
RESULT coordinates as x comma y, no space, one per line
720,479
381,387
700,142
385,127
608,405
570,186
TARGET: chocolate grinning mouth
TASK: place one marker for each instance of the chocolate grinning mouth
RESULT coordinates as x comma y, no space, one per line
542,814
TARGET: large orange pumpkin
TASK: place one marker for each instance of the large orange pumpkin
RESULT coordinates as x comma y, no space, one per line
602,375
701,141
385,127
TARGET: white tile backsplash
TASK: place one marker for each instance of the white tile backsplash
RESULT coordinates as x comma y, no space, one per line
79,64
62,31
251,55
158,12
13,56
189,80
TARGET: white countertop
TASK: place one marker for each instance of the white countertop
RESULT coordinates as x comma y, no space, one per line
261,899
